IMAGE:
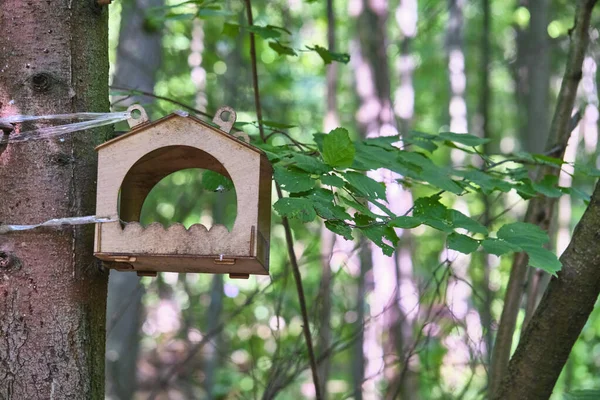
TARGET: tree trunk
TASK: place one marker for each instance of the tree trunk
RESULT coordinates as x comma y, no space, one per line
484,113
52,313
562,313
328,238
138,59
538,112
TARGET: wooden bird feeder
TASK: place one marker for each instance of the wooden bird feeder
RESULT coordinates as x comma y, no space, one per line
130,165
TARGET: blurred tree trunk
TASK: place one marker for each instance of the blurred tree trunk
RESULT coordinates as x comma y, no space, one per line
456,68
52,312
538,115
538,77
404,384
328,238
210,363
138,59
484,114
533,79
376,117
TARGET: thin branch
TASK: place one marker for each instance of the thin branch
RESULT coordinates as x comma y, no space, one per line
254,71
286,225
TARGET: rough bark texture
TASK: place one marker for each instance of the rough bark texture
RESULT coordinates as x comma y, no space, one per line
52,312
138,59
563,310
560,317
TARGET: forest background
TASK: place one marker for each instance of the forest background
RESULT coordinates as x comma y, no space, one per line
393,267
418,323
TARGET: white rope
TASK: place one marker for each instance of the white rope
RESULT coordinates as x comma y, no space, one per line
69,221
89,121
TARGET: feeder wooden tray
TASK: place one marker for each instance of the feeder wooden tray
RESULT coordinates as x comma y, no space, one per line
133,163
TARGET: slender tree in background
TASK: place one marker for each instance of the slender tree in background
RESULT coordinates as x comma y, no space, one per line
539,211
538,114
52,313
484,115
375,117
138,59
405,381
328,238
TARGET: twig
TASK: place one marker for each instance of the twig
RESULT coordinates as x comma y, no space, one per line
254,71
155,96
285,223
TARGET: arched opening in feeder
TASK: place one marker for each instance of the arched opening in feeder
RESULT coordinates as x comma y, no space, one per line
191,196
178,184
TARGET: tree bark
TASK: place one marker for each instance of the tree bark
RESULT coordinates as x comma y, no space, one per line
556,324
138,59
52,313
560,317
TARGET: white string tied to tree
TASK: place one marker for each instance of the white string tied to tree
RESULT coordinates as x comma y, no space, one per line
88,120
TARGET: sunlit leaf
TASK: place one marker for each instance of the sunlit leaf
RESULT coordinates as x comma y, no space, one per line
330,56
295,208
462,243
338,149
463,138
293,180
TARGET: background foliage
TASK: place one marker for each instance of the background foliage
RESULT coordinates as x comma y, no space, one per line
209,337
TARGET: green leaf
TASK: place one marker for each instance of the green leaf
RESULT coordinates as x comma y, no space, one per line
293,180
366,187
486,182
523,234
531,238
422,140
590,394
215,182
433,213
385,142
498,246
460,220
429,172
338,149
340,228
543,159
332,180
543,259
231,30
405,222
309,164
329,56
548,186
462,243
281,49
463,138
266,32
295,208
378,233
361,208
